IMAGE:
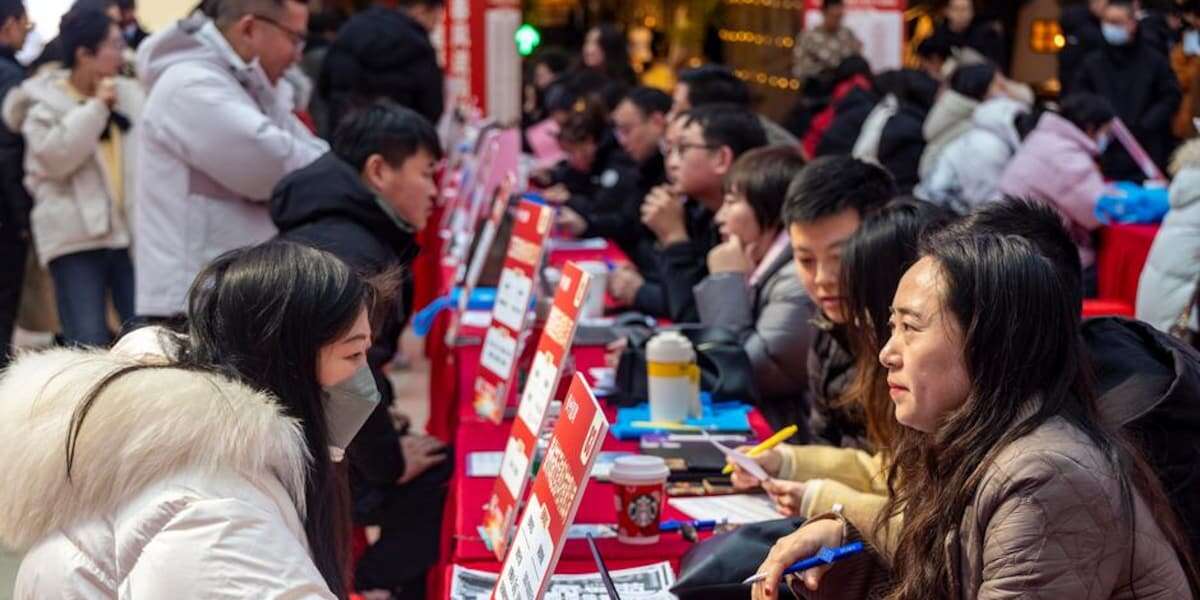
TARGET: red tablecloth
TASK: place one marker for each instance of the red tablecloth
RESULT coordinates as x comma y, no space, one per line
1122,254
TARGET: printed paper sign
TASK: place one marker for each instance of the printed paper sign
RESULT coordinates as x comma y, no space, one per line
557,491
540,386
531,225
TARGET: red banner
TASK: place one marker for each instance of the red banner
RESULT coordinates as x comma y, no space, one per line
552,350
557,491
531,225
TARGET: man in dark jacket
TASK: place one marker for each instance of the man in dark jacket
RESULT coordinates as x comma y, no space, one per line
364,202
710,139
385,52
1138,80
14,209
1081,27
131,29
824,207
961,29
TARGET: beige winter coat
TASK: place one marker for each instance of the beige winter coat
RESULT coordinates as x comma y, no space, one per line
185,485
65,171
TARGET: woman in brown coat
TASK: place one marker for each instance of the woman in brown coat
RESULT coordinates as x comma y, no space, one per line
1007,482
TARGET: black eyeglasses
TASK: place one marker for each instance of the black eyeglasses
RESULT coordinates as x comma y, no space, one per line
298,39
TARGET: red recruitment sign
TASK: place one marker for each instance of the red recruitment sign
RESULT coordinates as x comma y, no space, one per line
497,362
555,343
557,491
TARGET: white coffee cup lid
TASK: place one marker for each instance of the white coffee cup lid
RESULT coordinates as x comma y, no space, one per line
639,468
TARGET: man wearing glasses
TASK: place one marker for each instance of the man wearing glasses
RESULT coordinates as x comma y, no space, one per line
218,133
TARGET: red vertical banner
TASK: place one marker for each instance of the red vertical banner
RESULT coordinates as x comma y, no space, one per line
481,55
551,354
497,362
557,490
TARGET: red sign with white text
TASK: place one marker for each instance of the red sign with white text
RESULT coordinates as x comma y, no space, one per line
498,360
557,491
552,349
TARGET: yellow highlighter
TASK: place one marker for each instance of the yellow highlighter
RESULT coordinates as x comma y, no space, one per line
767,444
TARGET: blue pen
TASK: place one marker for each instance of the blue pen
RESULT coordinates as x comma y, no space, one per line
826,556
672,525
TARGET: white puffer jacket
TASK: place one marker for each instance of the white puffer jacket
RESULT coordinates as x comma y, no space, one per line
65,172
216,137
967,173
184,485
1172,270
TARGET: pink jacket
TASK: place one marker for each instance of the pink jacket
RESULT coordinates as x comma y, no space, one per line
1057,165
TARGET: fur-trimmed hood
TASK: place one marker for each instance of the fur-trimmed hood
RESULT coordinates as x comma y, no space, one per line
146,426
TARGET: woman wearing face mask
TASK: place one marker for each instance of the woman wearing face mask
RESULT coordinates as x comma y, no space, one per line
200,461
752,288
77,122
1009,483
1056,164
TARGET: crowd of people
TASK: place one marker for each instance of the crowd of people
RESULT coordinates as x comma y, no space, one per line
903,266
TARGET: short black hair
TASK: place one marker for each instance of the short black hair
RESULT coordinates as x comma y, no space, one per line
1035,221
832,4
411,3
728,125
555,58
648,100
100,5
85,28
586,120
387,129
832,184
127,4
973,81
1127,4
1087,111
11,9
714,84
934,47
762,175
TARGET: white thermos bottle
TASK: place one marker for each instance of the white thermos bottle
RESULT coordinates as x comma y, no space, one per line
674,378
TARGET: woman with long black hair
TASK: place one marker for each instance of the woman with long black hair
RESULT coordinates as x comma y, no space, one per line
1004,479
198,462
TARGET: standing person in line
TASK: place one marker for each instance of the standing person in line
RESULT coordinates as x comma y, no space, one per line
14,199
78,123
227,433
1081,29
216,137
824,46
385,52
131,29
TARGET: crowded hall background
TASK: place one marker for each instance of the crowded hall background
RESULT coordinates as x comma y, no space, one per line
582,299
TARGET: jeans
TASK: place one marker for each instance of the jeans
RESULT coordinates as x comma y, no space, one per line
81,283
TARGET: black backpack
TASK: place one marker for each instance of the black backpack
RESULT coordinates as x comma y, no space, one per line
1149,383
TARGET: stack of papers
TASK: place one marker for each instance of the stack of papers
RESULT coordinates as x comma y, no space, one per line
738,509
651,582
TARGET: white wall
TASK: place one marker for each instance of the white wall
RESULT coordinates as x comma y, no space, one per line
154,14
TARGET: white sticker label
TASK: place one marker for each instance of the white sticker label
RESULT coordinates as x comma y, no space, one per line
539,390
512,298
499,352
514,468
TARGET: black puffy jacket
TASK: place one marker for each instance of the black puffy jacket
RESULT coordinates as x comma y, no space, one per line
326,205
381,53
15,202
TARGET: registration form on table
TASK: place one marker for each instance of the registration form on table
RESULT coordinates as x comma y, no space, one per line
737,509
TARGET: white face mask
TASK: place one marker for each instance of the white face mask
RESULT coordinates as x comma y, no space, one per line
1191,42
1102,142
347,406
1114,34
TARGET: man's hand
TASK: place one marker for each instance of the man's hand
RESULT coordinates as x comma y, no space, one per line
623,285
421,452
662,212
730,257
106,92
571,222
557,195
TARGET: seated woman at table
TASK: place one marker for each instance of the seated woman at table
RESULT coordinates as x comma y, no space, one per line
199,463
811,479
752,288
1056,164
1008,481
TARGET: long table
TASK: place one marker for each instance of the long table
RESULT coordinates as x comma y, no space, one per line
462,544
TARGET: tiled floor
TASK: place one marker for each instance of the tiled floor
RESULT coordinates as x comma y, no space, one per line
412,398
